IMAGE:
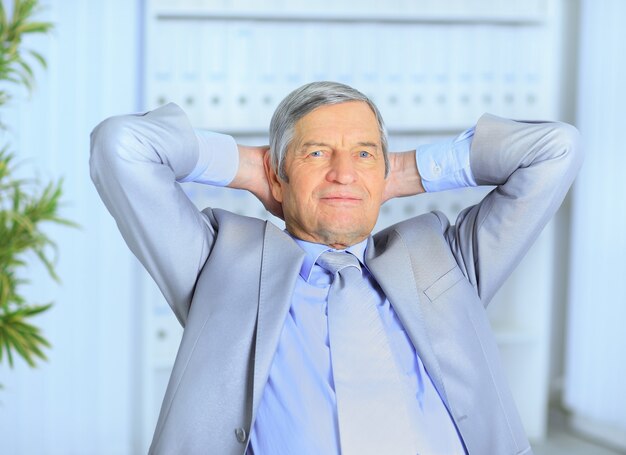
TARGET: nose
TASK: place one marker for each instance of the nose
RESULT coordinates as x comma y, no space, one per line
341,169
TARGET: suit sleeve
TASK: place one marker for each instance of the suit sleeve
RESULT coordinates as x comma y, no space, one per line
135,163
532,166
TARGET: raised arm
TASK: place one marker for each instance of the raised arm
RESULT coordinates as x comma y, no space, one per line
532,166
136,163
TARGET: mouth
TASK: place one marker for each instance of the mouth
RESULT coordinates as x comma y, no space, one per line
341,199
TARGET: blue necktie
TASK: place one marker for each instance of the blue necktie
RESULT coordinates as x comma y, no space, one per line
373,401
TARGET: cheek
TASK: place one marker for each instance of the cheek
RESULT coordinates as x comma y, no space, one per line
301,191
376,188
297,200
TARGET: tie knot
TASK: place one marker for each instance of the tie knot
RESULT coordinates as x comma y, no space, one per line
334,261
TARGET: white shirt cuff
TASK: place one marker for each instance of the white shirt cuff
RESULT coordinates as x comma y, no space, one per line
218,159
445,164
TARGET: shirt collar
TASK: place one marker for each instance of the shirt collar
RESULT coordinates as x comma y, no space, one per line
314,251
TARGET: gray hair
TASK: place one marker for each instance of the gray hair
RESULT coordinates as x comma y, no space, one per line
304,100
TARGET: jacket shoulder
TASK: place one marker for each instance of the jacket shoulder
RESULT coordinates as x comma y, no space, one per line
423,228
424,240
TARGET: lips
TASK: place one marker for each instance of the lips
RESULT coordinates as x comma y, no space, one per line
341,199
341,196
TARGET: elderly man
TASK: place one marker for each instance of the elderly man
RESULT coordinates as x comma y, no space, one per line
324,339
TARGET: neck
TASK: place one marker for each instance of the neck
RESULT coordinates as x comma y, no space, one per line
334,242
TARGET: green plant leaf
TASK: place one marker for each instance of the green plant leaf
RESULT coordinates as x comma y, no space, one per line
20,336
36,309
48,264
3,19
24,203
26,69
2,346
13,66
34,27
16,342
37,56
7,347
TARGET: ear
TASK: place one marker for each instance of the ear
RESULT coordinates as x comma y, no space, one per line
275,183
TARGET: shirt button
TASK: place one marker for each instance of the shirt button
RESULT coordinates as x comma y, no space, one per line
240,434
436,169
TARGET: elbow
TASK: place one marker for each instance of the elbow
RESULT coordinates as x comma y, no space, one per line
110,142
110,135
569,144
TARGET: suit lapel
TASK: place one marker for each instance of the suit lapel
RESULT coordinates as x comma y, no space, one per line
389,261
282,259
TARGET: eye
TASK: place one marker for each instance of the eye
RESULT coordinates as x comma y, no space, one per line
316,153
364,154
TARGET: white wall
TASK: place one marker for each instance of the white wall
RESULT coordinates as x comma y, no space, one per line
596,339
79,402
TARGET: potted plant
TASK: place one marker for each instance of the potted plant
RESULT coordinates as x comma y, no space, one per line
25,204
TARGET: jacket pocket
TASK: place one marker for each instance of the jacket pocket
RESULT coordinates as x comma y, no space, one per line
445,282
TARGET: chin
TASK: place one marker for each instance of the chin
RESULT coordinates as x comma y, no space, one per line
343,235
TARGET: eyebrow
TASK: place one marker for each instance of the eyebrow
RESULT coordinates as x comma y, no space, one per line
323,144
313,143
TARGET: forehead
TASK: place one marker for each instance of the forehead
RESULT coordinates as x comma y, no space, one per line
352,121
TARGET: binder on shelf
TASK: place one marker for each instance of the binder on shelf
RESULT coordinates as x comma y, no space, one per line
241,80
462,76
290,40
487,90
503,98
417,70
316,42
342,44
162,86
188,55
439,59
390,54
537,84
214,75
267,93
367,60
402,103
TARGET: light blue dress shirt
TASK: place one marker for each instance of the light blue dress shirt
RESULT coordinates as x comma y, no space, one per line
297,413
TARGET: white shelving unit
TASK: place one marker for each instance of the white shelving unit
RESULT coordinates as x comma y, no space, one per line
432,67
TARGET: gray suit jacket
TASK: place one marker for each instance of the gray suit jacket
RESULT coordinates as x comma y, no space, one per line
229,278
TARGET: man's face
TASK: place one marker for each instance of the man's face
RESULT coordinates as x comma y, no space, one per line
336,172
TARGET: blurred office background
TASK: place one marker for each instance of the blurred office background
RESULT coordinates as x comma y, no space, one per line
433,67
